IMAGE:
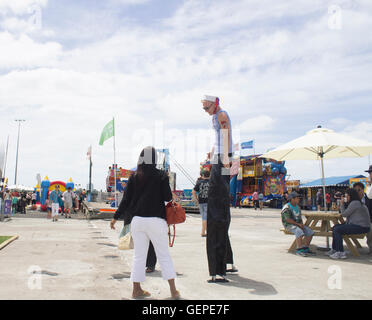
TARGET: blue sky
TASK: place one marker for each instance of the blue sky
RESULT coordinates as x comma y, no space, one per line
97,20
279,68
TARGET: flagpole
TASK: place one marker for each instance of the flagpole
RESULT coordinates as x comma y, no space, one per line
5,158
115,167
90,173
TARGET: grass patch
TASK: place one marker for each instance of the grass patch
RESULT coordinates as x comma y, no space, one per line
4,238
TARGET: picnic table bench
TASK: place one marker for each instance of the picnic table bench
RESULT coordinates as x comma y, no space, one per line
324,230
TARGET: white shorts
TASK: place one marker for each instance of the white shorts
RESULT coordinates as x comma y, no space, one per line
55,209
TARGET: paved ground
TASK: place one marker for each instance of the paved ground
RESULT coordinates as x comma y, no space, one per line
78,259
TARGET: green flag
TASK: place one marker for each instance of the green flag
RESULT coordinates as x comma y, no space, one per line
108,132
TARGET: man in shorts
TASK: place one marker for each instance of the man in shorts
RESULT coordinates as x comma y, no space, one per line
68,200
202,186
292,222
54,198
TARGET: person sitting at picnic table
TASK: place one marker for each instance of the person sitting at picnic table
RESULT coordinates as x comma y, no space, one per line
357,222
292,222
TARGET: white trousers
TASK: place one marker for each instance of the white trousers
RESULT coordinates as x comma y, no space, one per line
55,209
143,230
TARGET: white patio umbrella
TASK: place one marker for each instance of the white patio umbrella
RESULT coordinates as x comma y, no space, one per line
320,144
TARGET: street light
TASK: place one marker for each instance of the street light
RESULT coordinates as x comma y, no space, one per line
16,166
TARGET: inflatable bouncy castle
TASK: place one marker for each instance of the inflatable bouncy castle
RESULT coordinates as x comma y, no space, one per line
48,186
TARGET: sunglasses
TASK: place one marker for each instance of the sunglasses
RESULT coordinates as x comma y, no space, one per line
208,107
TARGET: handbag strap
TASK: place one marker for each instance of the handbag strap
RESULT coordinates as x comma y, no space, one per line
171,242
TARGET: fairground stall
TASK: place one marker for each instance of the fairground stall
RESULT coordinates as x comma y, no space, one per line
332,184
122,176
252,173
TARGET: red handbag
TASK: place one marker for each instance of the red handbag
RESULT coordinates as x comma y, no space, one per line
175,214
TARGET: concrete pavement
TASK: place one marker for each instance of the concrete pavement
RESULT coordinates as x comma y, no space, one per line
79,259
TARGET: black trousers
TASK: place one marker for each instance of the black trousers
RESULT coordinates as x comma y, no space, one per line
151,257
219,250
229,253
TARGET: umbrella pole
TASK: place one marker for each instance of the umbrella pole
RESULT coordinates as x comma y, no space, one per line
324,192
323,182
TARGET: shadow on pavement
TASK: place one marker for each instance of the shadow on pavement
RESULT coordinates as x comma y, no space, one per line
157,274
120,276
364,258
259,288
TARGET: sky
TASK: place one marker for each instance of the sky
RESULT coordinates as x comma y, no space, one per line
280,68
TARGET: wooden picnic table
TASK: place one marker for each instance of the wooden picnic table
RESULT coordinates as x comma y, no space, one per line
327,220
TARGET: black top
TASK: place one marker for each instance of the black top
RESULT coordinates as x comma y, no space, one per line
148,202
202,186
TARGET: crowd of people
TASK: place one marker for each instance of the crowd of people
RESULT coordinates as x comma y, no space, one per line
333,200
67,202
19,200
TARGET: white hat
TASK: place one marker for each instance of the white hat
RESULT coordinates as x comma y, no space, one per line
209,98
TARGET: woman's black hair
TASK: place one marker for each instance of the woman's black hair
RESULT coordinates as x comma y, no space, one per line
146,167
359,184
353,194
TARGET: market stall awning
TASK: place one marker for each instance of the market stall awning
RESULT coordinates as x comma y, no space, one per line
331,182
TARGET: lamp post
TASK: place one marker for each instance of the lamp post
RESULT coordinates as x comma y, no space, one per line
16,166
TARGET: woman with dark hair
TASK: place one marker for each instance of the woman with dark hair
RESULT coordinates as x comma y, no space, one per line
143,208
357,222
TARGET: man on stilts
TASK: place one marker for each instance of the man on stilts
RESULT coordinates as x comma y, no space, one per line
218,214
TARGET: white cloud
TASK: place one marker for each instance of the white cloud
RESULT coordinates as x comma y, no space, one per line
276,66
257,124
24,52
2,157
340,122
20,6
361,130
